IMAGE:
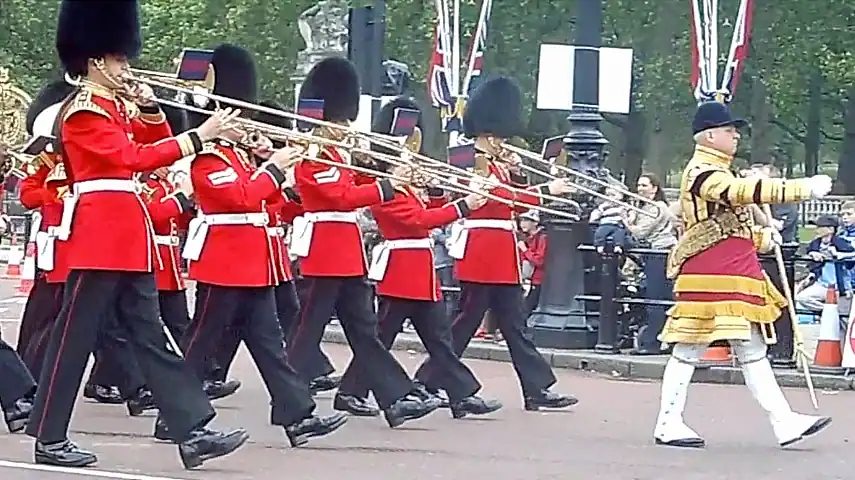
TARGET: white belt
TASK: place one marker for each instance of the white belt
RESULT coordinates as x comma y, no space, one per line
69,203
380,254
275,231
303,227
459,236
168,240
46,248
197,232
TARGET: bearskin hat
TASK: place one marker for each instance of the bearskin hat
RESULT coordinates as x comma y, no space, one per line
95,28
176,118
335,81
385,117
51,94
495,108
235,77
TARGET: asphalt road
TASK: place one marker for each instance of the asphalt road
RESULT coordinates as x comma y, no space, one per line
606,436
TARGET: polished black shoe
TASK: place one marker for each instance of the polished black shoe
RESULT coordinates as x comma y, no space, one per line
161,432
474,405
314,426
409,408
103,394
216,389
205,444
354,405
18,415
425,393
547,399
140,403
63,454
324,383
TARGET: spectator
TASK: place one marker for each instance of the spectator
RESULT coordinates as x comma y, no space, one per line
533,253
785,216
656,233
847,215
610,219
444,265
832,259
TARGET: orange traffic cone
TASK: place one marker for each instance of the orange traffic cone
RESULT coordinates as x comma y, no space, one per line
829,356
718,352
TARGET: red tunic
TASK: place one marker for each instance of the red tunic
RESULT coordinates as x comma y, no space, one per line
410,272
226,182
104,138
336,247
282,212
36,192
492,254
170,212
535,254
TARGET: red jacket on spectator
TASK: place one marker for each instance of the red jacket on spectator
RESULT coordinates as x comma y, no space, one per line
535,254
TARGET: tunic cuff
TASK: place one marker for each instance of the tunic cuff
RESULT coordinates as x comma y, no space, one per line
151,114
387,191
292,195
189,143
274,172
462,208
519,180
184,202
543,189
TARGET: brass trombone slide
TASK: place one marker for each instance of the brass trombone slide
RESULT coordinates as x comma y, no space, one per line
380,139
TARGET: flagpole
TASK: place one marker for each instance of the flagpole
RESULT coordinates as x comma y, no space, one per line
476,48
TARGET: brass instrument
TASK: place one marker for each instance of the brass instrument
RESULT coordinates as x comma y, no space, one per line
384,140
172,80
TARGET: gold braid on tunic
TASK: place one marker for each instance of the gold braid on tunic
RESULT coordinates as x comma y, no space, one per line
715,205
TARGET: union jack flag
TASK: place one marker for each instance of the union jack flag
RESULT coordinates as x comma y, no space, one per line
438,71
476,49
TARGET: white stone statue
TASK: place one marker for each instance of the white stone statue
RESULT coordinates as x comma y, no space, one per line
324,27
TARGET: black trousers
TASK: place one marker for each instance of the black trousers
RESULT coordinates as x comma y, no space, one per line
173,311
657,287
288,313
90,297
40,312
531,301
250,312
351,298
116,361
506,304
434,329
15,379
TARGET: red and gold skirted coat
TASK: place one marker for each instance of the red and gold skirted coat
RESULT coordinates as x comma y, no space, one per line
720,288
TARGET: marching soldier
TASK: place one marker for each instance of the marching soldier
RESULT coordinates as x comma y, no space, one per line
101,144
332,260
488,264
720,289
407,286
229,250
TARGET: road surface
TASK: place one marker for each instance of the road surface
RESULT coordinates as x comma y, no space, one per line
607,436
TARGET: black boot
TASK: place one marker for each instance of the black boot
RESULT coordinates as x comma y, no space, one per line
547,399
409,408
354,405
314,426
474,405
216,389
205,444
161,432
140,402
103,394
63,454
18,415
324,383
425,393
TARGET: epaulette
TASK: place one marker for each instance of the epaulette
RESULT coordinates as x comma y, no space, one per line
210,148
132,108
82,102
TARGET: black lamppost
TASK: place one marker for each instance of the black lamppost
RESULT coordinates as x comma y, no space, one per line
560,320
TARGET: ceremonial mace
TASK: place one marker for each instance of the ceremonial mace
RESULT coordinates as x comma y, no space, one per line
798,341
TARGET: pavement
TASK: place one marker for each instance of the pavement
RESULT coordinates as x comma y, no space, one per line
606,436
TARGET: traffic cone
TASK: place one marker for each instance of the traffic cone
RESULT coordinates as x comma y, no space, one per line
718,352
829,356
28,274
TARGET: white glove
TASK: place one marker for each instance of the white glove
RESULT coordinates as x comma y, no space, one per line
777,239
820,185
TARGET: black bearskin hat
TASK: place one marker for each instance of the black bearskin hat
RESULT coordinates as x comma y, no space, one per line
235,77
385,117
335,81
94,28
176,118
271,119
51,94
495,108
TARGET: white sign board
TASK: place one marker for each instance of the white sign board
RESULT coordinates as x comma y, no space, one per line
366,103
557,71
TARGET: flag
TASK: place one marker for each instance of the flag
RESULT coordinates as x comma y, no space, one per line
476,49
738,47
439,88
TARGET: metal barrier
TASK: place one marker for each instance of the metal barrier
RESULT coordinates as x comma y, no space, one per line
609,314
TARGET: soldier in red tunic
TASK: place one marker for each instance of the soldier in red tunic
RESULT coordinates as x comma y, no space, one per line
407,286
488,264
328,241
111,253
231,258
281,213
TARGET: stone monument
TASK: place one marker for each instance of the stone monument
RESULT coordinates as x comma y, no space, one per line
324,30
